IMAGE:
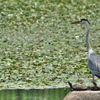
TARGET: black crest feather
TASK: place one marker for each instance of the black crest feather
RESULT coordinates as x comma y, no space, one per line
85,20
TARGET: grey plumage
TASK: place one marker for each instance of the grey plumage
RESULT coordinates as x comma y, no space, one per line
94,64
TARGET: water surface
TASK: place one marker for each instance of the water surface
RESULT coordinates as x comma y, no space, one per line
33,94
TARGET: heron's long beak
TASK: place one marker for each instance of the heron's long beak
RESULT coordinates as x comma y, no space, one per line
77,22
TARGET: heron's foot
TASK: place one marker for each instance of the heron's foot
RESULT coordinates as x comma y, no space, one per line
95,87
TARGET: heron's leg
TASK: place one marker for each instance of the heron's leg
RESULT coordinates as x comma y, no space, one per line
95,86
92,77
94,83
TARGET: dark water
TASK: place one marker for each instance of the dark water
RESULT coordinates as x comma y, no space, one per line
33,94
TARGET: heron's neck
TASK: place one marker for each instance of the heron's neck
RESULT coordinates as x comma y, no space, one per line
87,38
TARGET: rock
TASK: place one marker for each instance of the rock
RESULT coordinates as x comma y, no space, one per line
83,95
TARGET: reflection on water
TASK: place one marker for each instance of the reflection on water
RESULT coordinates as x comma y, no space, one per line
33,94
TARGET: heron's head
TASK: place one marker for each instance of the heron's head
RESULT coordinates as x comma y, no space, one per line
82,21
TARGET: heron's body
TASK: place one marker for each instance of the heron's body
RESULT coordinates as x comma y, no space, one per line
94,64
93,58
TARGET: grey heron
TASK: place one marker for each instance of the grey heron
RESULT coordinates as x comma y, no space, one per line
93,58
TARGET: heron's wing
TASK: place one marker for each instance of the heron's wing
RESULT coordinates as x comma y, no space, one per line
94,64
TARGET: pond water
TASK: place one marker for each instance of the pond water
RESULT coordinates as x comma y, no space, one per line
34,94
